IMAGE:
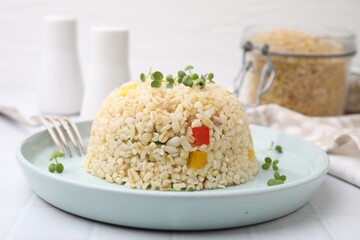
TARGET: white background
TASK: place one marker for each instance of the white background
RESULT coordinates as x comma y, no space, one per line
165,34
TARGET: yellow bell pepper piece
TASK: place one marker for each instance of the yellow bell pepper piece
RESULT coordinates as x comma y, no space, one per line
251,155
197,160
125,89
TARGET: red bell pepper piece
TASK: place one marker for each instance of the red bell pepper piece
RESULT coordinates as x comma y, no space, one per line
202,135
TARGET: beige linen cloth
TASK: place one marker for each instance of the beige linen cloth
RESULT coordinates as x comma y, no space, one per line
336,135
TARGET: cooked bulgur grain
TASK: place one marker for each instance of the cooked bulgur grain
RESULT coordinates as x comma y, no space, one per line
142,138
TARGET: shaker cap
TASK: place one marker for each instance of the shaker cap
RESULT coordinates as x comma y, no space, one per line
60,33
109,45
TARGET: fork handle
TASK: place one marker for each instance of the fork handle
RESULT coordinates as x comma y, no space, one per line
13,114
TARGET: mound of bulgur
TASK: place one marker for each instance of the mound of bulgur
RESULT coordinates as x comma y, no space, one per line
142,138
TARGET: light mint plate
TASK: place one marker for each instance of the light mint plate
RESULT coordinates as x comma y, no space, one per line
82,194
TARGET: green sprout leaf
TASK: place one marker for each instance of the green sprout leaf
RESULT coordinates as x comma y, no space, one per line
274,165
59,168
56,155
266,166
200,82
267,163
210,76
170,81
187,81
276,175
157,76
181,74
169,78
156,84
279,181
194,76
268,160
52,167
170,85
142,77
279,177
188,68
271,182
278,148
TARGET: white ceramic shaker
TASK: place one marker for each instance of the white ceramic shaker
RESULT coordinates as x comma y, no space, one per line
108,67
60,88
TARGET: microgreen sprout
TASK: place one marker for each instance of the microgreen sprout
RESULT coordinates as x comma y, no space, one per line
210,77
278,148
277,180
170,81
188,68
279,177
274,165
56,167
143,77
156,78
270,163
185,77
267,163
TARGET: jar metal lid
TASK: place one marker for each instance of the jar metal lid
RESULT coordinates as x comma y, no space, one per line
342,37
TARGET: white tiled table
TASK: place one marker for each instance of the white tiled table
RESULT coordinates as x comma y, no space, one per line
333,213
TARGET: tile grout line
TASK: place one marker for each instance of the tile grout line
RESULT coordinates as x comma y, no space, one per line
10,233
252,232
320,216
93,230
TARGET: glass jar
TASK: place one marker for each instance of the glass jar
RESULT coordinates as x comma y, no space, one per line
304,69
353,98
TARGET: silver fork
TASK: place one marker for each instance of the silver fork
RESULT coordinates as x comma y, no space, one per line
51,122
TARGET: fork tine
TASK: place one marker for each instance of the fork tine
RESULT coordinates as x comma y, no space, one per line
77,133
65,125
60,133
51,132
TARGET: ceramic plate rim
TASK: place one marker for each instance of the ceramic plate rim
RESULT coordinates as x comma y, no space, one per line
236,191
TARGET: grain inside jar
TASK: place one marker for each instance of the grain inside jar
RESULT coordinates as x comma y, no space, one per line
303,82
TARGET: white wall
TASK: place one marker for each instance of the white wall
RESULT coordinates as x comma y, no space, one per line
165,34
